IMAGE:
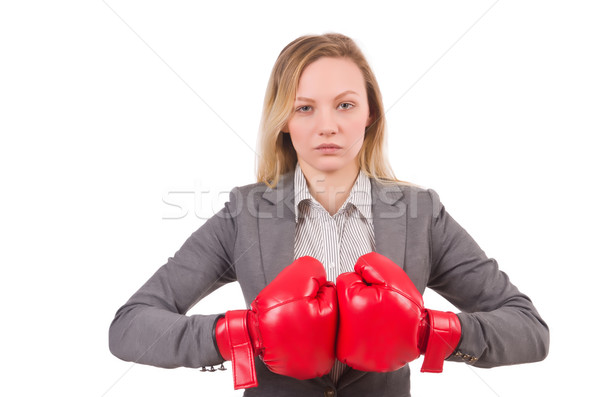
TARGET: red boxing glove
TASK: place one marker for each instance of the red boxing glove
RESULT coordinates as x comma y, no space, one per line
291,325
383,324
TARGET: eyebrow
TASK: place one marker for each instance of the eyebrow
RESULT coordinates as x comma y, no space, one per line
301,98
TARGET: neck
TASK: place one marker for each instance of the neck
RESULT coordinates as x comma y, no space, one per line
330,189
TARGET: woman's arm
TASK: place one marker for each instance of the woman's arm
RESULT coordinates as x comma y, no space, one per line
500,325
152,328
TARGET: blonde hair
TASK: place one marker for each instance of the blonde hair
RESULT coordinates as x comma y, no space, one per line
276,153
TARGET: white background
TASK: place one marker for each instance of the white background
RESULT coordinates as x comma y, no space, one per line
109,110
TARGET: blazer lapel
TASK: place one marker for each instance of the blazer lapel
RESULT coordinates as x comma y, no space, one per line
389,221
276,224
277,227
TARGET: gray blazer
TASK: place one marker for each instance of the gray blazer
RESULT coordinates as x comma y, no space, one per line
251,240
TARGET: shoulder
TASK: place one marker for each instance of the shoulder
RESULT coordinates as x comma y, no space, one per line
250,190
245,196
418,199
250,196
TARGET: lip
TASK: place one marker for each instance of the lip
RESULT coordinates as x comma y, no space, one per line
328,148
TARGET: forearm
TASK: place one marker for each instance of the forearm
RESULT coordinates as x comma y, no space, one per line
155,336
500,325
509,335
152,328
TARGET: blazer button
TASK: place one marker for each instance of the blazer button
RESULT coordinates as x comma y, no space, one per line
329,392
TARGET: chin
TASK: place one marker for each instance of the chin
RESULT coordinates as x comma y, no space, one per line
330,166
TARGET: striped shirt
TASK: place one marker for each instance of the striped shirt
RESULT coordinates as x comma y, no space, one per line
339,240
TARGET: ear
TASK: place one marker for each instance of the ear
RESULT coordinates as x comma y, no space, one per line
285,129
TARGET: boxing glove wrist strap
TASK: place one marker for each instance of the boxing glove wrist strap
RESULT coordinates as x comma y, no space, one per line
442,339
221,339
235,344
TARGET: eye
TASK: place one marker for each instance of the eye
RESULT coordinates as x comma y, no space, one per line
349,105
302,109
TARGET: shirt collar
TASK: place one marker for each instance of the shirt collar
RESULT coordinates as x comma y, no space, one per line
359,197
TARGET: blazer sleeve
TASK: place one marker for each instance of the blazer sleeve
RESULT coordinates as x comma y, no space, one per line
152,328
500,325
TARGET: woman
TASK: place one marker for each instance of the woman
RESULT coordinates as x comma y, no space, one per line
325,190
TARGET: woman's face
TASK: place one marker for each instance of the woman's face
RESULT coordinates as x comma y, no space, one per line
330,115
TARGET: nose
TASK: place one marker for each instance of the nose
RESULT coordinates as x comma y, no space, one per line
327,132
326,124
